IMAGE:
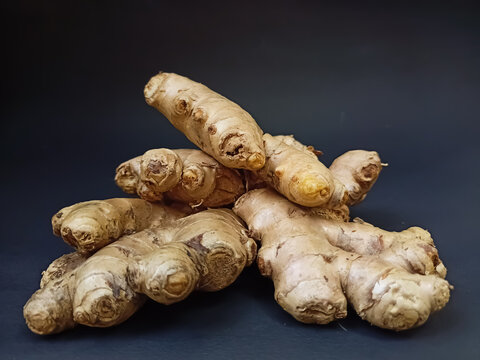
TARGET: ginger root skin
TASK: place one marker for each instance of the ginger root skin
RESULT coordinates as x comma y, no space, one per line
183,175
49,310
294,170
91,225
318,264
215,124
205,251
358,170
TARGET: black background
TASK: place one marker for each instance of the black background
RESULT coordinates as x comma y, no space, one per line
400,79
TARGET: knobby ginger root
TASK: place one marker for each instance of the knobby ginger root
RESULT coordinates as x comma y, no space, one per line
184,175
90,225
294,170
205,251
357,170
393,280
317,259
49,310
215,124
296,173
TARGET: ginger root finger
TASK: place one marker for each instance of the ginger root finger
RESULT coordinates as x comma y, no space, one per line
151,174
358,170
49,310
295,172
311,273
167,275
199,179
89,226
102,295
199,256
95,293
390,297
215,124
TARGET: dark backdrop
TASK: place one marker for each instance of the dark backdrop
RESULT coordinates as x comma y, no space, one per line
403,80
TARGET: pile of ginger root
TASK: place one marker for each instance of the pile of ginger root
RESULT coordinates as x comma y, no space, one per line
201,214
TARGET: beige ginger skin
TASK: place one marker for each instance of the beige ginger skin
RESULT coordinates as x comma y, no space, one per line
215,124
357,170
90,225
184,175
205,251
318,264
294,170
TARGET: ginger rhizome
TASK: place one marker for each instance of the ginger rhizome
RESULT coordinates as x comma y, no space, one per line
294,170
317,263
89,226
215,124
130,249
204,251
184,175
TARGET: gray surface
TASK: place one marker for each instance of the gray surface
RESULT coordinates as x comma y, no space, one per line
400,80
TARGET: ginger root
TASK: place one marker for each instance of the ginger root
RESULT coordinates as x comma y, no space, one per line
89,226
294,170
215,124
357,170
184,175
132,249
205,251
317,263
